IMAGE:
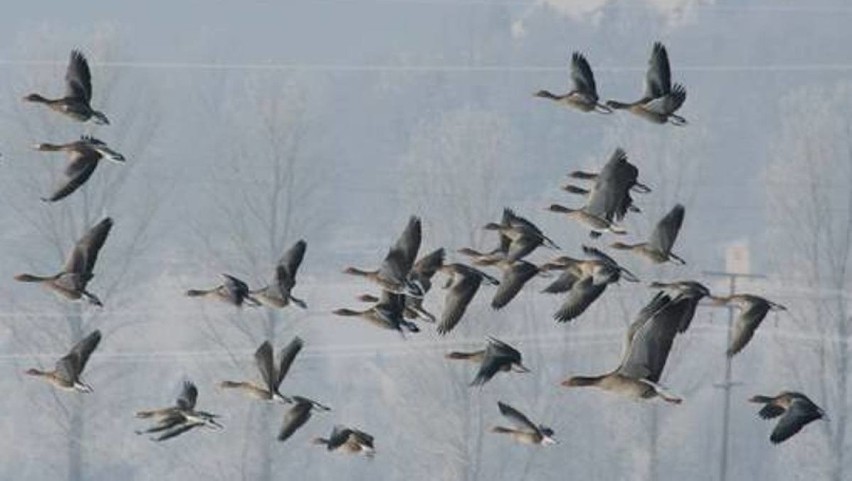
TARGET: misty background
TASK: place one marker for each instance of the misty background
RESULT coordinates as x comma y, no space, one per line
250,125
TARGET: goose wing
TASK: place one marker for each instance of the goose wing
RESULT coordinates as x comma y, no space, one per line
78,171
295,418
401,256
288,265
658,77
85,253
650,338
667,229
78,78
263,359
582,76
516,417
514,278
457,299
747,323
188,396
286,357
582,294
801,412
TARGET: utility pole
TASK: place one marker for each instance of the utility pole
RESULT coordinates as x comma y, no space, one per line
728,383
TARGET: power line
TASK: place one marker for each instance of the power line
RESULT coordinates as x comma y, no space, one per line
335,67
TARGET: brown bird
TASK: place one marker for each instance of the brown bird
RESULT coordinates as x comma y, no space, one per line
526,431
497,356
84,156
462,285
175,420
797,409
387,313
584,281
78,93
66,374
271,375
232,291
753,310
662,98
649,341
658,249
349,441
518,237
278,293
392,276
71,282
584,95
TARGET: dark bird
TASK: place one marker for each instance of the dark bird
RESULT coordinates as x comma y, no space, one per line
609,199
78,93
66,374
349,441
797,411
662,98
387,313
525,431
232,291
753,310
84,156
515,275
649,341
658,249
278,293
271,375
71,282
298,415
518,237
584,95
584,281
175,420
392,276
462,285
497,356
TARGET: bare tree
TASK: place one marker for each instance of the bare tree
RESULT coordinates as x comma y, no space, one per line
52,229
271,170
810,206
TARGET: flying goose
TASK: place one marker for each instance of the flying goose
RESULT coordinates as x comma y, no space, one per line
649,341
658,249
387,313
609,199
497,356
298,415
75,275
278,293
84,156
753,311
422,273
66,374
583,280
525,431
78,93
271,375
518,237
662,98
392,276
797,410
515,276
584,95
462,284
349,441
232,291
180,418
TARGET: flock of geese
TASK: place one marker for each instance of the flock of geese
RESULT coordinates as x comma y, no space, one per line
404,280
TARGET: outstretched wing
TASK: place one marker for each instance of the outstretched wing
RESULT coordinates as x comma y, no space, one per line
658,77
285,271
78,79
188,396
85,253
517,417
286,357
667,229
581,74
79,170
263,359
